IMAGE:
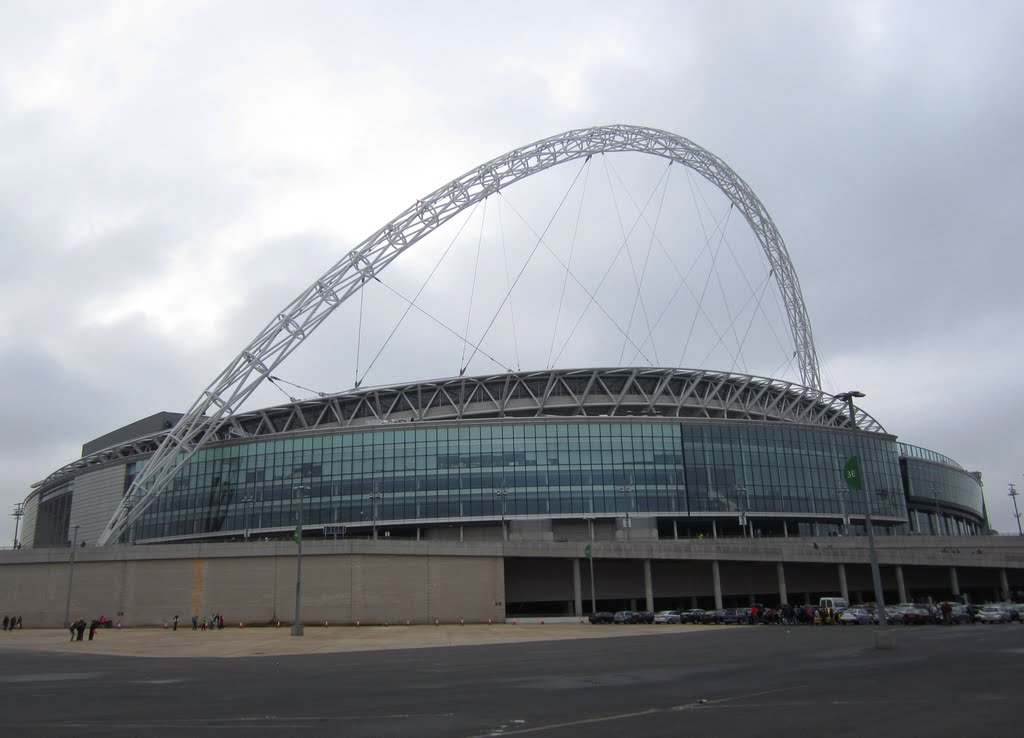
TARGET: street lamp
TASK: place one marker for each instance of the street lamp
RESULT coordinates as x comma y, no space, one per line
502,493
627,492
857,481
19,511
249,501
374,496
1016,512
71,574
297,625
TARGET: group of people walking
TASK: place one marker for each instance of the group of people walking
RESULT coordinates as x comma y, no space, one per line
213,622
12,623
77,629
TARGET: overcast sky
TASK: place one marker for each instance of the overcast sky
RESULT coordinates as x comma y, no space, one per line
172,174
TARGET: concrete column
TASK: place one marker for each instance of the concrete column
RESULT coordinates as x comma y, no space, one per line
1004,585
844,591
675,530
900,585
716,578
954,582
714,534
648,586
577,589
780,574
785,530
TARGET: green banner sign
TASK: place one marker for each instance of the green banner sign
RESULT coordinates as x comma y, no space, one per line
586,552
851,473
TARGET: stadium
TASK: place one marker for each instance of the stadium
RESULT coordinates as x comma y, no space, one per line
553,492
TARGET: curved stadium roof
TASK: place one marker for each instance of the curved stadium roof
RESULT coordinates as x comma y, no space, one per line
553,393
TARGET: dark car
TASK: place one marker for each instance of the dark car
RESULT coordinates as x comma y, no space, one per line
917,616
598,618
692,616
712,617
643,616
735,616
623,616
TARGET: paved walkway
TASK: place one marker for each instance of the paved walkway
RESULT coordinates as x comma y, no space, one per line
240,642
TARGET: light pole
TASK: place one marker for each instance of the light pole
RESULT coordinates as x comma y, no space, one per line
374,496
1013,495
71,574
857,481
846,518
626,491
502,493
249,501
297,625
741,494
19,511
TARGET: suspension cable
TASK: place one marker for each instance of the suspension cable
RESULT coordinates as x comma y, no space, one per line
472,289
442,324
593,295
565,275
533,252
508,286
638,296
419,292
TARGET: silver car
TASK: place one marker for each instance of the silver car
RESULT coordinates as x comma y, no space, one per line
993,614
855,615
668,616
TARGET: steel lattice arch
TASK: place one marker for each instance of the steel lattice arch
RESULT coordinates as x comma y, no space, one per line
255,363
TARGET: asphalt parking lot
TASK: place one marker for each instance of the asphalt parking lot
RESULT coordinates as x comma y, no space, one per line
763,680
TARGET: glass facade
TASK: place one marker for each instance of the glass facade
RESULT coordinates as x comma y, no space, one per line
423,474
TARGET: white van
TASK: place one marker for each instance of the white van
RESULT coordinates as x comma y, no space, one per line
833,603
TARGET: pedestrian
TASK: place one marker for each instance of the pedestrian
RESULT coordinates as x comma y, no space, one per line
6,620
204,622
19,622
195,622
92,628
175,623
80,628
72,628
221,623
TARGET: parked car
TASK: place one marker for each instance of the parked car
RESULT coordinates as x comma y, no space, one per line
692,616
623,616
599,618
734,616
856,616
993,614
668,616
643,616
712,617
917,616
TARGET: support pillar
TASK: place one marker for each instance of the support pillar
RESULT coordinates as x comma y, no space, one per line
954,582
780,574
577,589
675,530
714,534
844,591
785,529
716,579
1004,585
900,585
648,586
